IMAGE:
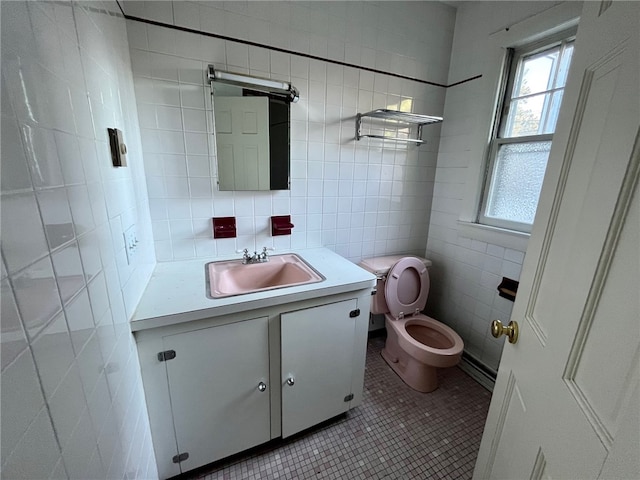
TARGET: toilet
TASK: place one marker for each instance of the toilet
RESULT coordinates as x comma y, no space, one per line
416,345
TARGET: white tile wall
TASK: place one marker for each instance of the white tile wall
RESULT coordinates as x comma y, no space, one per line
407,38
466,271
358,198
72,401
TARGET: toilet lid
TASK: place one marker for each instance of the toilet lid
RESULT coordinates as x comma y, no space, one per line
407,287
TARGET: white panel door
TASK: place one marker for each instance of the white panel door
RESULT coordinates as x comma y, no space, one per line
317,364
219,406
566,403
242,142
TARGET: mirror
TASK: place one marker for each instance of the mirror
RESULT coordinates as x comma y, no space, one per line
252,138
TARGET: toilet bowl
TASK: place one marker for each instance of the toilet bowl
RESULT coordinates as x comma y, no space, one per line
416,345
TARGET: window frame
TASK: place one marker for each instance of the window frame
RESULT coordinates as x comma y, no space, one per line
506,85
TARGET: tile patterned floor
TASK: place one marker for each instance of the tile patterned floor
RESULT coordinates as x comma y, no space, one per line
397,433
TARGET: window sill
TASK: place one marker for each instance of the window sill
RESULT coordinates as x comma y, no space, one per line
494,235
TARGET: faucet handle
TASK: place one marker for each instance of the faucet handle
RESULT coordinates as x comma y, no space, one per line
245,255
264,256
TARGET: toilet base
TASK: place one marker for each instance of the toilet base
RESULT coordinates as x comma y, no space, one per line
417,375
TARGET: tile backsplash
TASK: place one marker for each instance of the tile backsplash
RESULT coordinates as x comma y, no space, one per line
357,198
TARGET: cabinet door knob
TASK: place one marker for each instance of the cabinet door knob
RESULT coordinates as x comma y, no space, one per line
262,386
291,381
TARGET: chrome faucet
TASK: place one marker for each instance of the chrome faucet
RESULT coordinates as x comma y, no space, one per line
256,257
246,258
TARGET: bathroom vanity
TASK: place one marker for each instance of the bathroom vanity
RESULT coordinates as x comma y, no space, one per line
224,375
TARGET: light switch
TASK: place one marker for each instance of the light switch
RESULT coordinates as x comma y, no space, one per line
130,243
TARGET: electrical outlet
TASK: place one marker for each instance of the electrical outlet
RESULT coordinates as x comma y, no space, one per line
130,243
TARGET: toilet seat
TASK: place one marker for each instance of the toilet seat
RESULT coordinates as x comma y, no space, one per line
407,287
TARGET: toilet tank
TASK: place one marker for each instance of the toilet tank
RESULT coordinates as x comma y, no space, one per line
380,266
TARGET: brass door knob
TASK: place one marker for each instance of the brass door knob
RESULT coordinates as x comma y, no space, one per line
511,330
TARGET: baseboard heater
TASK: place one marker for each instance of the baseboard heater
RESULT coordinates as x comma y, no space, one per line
478,371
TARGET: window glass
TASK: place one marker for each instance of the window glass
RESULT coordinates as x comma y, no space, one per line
537,92
536,73
518,177
521,145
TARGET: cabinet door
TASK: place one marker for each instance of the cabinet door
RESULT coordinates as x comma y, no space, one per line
218,405
317,354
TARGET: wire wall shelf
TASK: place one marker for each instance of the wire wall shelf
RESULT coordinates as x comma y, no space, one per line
402,118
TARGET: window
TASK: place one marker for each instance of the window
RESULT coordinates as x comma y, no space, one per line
523,133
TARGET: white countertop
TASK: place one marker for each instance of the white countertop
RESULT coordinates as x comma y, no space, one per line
177,293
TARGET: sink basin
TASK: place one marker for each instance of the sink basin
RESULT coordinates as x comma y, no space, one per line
228,278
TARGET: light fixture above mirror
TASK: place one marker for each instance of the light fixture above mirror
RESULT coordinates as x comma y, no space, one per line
254,83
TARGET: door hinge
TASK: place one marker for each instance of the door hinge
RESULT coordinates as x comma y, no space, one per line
348,398
180,457
354,313
166,355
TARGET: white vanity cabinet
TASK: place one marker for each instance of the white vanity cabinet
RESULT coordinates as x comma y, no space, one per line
219,385
207,388
219,389
224,375
318,346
